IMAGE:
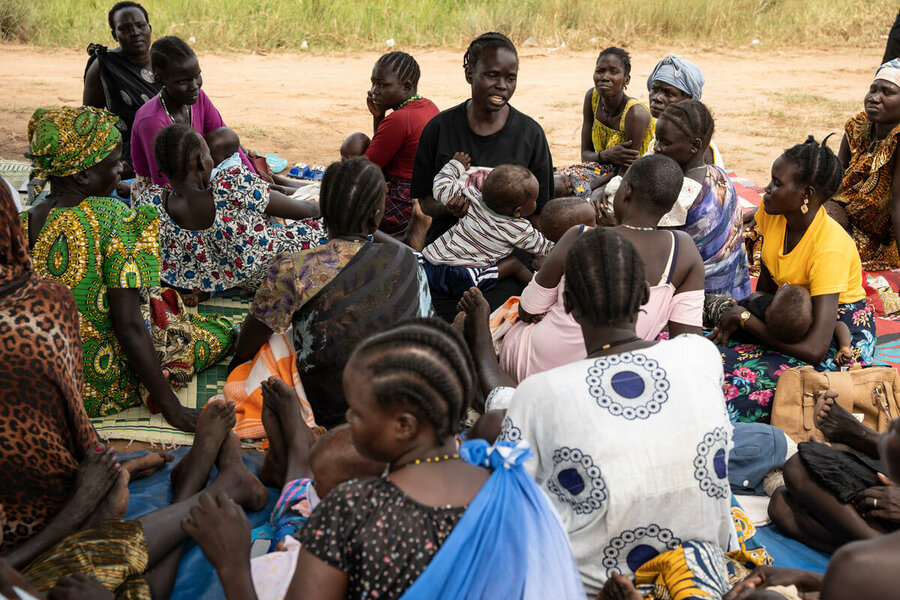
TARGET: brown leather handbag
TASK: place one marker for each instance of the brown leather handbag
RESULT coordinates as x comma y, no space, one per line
872,392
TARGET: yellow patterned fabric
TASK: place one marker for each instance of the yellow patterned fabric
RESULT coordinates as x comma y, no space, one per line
866,193
696,570
604,137
115,554
69,140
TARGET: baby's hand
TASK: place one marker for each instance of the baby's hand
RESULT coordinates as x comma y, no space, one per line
844,356
464,158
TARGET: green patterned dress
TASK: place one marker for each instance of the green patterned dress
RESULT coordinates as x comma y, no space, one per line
102,244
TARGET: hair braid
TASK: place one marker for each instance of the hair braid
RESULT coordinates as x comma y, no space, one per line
172,149
422,364
692,118
605,276
352,191
817,166
110,17
403,64
486,41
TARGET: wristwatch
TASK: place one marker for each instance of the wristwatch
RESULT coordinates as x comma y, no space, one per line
745,316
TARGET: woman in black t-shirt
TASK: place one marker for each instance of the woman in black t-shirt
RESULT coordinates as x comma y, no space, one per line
491,132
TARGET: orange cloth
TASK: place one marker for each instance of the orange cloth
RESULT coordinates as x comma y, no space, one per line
276,357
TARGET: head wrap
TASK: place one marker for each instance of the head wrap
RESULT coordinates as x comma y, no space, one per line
679,73
15,263
889,71
69,140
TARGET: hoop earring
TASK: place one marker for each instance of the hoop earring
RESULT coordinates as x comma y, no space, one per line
805,208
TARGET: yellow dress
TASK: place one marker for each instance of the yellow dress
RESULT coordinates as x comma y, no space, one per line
605,137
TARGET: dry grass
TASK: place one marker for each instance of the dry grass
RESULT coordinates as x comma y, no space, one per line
352,25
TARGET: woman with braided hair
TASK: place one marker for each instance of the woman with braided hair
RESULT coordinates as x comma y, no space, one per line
707,207
802,245
630,443
395,83
339,293
492,133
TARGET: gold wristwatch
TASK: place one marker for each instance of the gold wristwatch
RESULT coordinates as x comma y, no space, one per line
745,316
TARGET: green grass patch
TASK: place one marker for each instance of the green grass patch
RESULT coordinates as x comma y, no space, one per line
352,25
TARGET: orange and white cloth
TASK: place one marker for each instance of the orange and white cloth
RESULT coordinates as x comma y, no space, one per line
277,357
502,319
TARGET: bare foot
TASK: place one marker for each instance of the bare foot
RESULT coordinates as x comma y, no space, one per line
93,480
297,436
477,326
146,464
834,421
178,416
417,230
190,475
273,468
235,479
818,439
459,323
619,587
115,504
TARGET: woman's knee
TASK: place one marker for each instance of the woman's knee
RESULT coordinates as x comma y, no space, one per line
796,476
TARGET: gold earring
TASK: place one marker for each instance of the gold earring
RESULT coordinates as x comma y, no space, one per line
805,208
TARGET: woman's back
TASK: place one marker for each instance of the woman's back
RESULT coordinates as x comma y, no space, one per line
657,474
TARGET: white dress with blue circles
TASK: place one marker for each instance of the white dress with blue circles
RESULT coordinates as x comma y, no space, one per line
632,450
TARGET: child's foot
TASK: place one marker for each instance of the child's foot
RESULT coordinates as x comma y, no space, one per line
477,326
93,480
459,322
834,421
146,465
417,230
236,480
191,473
115,504
274,464
619,587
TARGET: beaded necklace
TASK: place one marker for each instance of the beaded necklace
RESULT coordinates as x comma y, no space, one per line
430,459
171,118
408,100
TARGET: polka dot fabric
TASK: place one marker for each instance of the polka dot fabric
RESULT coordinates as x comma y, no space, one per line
382,539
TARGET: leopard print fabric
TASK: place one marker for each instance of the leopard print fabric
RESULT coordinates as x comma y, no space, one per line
44,430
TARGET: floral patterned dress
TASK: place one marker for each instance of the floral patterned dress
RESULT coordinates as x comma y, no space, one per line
236,249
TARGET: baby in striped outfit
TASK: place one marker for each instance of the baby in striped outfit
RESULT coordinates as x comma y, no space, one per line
477,250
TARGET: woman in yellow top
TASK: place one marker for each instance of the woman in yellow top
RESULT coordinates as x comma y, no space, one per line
617,129
804,246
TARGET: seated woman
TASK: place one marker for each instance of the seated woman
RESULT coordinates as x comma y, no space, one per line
217,235
120,80
108,255
492,132
395,82
180,101
547,335
861,569
616,129
870,191
338,293
707,207
672,80
656,403
803,246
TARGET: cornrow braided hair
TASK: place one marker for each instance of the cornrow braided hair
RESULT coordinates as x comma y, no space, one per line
817,165
172,149
621,54
604,278
424,365
486,41
167,49
352,190
119,6
403,64
692,118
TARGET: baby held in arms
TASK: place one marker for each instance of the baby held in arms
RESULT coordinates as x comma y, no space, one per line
476,250
789,315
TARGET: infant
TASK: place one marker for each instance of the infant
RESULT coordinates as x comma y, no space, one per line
224,144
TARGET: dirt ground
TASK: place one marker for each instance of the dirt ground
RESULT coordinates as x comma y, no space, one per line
301,106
